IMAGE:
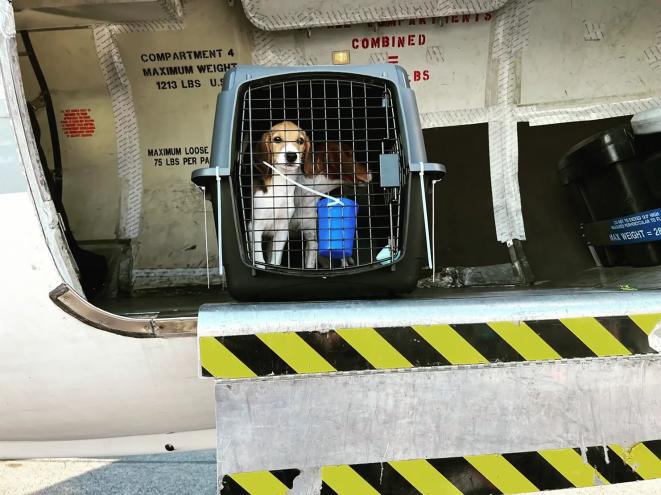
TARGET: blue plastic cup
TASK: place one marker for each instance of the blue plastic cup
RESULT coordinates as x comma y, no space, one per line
337,227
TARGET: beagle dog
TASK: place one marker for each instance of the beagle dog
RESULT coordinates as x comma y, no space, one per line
285,146
334,165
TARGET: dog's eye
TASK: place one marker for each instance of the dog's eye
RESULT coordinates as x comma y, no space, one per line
277,139
300,140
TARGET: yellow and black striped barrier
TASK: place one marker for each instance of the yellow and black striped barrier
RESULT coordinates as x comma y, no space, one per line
353,349
521,472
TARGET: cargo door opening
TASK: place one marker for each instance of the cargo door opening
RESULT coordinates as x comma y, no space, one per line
169,248
469,258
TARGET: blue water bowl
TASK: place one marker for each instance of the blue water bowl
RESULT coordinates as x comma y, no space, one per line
337,227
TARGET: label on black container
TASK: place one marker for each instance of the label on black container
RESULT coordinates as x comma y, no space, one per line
630,229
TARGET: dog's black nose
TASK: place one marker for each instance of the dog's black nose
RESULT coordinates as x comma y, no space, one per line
291,157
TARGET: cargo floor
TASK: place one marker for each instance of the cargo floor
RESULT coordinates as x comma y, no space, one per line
175,303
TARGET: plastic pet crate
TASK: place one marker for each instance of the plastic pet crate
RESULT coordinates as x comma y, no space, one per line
318,179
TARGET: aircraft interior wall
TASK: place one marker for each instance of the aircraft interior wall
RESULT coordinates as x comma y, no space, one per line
135,103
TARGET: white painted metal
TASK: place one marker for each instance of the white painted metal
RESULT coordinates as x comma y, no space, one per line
62,380
108,447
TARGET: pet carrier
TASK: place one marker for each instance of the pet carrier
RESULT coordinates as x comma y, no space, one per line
317,179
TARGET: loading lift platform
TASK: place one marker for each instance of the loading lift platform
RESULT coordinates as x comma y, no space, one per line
512,393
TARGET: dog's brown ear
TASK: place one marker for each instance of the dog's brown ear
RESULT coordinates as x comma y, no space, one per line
351,170
308,158
362,173
262,153
346,164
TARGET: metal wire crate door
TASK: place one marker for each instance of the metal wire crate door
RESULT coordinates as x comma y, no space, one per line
350,123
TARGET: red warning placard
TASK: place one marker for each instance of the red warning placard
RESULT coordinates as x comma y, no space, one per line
77,122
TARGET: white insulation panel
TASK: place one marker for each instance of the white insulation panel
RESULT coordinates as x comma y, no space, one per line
586,50
295,14
175,76
446,58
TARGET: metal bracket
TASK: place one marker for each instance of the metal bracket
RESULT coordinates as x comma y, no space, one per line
435,170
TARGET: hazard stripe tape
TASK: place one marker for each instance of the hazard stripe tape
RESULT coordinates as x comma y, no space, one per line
640,458
296,352
355,349
595,336
610,465
423,477
525,341
450,344
501,473
259,482
374,348
569,463
219,361
512,473
646,322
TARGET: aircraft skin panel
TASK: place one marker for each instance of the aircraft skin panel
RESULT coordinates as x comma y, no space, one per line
63,380
11,178
110,447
